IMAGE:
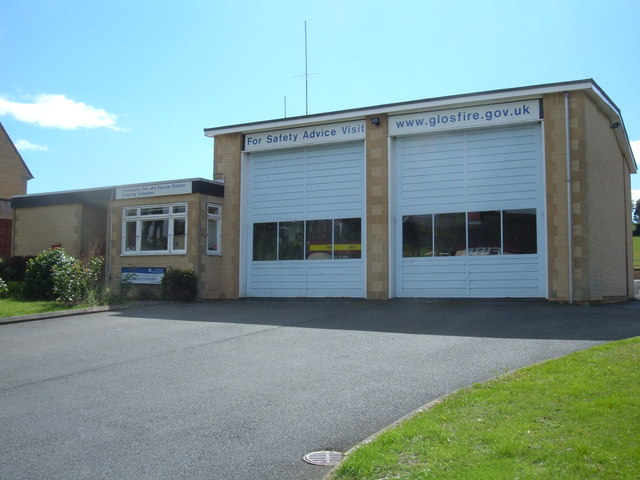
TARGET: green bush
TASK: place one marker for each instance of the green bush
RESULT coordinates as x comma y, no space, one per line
16,290
39,275
56,275
4,290
13,269
70,282
179,285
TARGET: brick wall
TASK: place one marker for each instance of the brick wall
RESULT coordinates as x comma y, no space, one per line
38,228
377,209
606,178
600,185
228,151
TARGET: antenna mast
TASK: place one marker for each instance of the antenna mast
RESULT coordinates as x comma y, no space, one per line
306,73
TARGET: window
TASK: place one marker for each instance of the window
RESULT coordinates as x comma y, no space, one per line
154,229
291,240
265,241
520,231
494,232
417,234
484,233
213,228
450,234
307,240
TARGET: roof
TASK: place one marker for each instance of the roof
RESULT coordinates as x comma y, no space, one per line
520,93
102,195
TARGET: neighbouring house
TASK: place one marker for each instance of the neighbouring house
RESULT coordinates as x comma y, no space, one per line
14,175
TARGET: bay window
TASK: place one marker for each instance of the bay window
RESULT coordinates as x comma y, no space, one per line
154,229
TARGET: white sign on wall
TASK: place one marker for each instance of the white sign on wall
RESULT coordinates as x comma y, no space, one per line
479,115
295,137
143,275
153,190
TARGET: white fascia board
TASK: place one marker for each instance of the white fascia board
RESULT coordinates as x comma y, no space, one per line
406,107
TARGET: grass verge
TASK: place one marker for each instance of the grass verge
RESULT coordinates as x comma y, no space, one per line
576,417
10,307
636,252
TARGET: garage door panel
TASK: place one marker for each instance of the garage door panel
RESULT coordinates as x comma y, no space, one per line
496,169
507,178
325,183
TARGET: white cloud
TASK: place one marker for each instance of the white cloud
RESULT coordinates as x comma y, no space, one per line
24,145
58,111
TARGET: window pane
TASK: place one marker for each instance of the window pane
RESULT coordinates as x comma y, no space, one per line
179,234
130,237
131,212
484,233
450,234
264,241
520,234
213,210
154,211
347,241
212,235
417,236
155,235
319,235
291,241
179,209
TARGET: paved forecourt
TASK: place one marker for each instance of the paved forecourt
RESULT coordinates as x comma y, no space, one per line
237,390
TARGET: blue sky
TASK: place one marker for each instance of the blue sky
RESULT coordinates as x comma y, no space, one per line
108,93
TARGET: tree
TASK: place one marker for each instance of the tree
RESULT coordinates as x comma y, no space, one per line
635,217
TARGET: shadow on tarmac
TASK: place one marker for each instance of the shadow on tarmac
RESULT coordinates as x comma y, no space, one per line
527,319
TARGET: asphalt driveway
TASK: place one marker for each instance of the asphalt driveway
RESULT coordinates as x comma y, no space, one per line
243,389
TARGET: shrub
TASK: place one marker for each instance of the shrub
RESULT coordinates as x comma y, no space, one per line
16,290
4,290
179,285
70,282
39,275
13,269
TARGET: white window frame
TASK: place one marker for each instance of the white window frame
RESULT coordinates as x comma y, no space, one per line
216,217
134,214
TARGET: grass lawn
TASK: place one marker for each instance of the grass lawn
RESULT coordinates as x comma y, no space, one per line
11,308
577,417
636,252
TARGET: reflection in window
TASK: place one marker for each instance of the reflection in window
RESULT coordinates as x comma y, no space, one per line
264,241
213,228
347,238
450,234
130,236
179,234
319,245
291,241
417,236
310,240
155,235
484,233
520,234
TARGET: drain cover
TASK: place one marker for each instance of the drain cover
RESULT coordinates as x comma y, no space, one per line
323,458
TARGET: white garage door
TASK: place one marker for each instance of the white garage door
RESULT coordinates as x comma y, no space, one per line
305,230
469,214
